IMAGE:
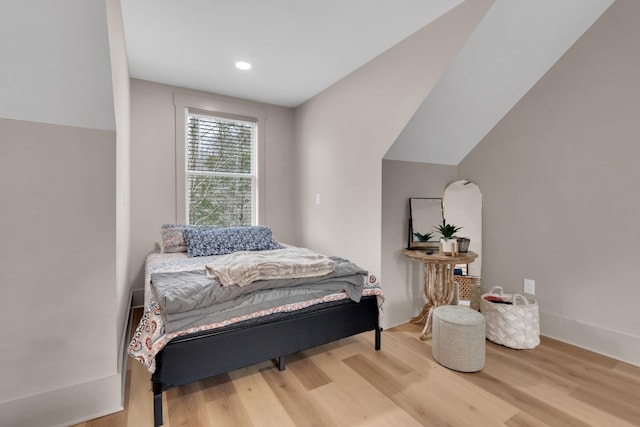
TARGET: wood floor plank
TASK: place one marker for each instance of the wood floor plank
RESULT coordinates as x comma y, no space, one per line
607,381
261,404
140,393
363,406
165,410
218,387
292,396
514,364
306,371
553,388
577,352
348,383
525,402
490,383
187,406
555,394
394,390
627,409
445,390
522,419
423,348
386,359
353,400
627,369
227,411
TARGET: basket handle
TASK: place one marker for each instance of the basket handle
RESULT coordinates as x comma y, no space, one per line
496,290
522,298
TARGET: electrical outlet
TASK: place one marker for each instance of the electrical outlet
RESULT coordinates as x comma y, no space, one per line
529,286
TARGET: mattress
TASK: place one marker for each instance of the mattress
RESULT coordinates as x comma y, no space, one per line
152,334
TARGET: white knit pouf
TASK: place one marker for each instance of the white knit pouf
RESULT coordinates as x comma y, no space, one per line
458,338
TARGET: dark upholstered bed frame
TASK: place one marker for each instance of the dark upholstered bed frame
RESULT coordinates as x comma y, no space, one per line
199,356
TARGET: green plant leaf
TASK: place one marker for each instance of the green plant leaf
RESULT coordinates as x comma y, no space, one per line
423,237
447,231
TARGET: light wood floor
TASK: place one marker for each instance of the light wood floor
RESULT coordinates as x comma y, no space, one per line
348,383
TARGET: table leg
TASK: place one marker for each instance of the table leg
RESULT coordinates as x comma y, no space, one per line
430,285
427,324
438,287
448,278
427,284
420,317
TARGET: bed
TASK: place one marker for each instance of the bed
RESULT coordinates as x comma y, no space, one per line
197,343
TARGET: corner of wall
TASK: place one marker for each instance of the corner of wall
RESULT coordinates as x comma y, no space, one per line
65,406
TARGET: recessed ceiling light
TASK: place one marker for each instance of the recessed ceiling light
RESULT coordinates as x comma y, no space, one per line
243,65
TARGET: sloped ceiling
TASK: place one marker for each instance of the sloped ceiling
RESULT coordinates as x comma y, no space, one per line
59,62
55,63
513,46
297,48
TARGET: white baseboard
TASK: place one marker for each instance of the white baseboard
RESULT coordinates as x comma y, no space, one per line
614,344
399,313
65,406
124,345
74,404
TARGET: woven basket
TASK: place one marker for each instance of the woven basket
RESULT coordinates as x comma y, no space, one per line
515,325
469,289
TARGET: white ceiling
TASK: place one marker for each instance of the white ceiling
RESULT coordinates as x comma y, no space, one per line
297,47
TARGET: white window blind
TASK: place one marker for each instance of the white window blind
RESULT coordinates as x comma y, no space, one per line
220,170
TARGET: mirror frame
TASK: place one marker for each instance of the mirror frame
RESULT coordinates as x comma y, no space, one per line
432,244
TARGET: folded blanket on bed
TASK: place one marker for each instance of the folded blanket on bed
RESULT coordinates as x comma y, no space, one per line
190,298
242,268
186,291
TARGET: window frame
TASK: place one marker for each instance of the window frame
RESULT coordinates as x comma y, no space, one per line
223,109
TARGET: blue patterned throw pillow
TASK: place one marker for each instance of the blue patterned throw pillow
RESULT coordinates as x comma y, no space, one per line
225,240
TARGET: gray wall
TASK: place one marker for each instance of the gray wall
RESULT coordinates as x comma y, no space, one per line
558,176
343,133
58,352
153,168
63,139
403,279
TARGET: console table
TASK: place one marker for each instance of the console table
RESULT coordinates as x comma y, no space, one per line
438,280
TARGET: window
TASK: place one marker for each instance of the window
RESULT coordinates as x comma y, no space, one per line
219,173
220,169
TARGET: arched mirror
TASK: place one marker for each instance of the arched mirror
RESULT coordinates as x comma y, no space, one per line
462,206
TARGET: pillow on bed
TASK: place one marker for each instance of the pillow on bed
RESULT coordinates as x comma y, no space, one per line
220,241
173,237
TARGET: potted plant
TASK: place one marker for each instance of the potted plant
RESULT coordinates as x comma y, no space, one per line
422,237
448,242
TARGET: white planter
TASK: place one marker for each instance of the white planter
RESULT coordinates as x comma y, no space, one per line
449,246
